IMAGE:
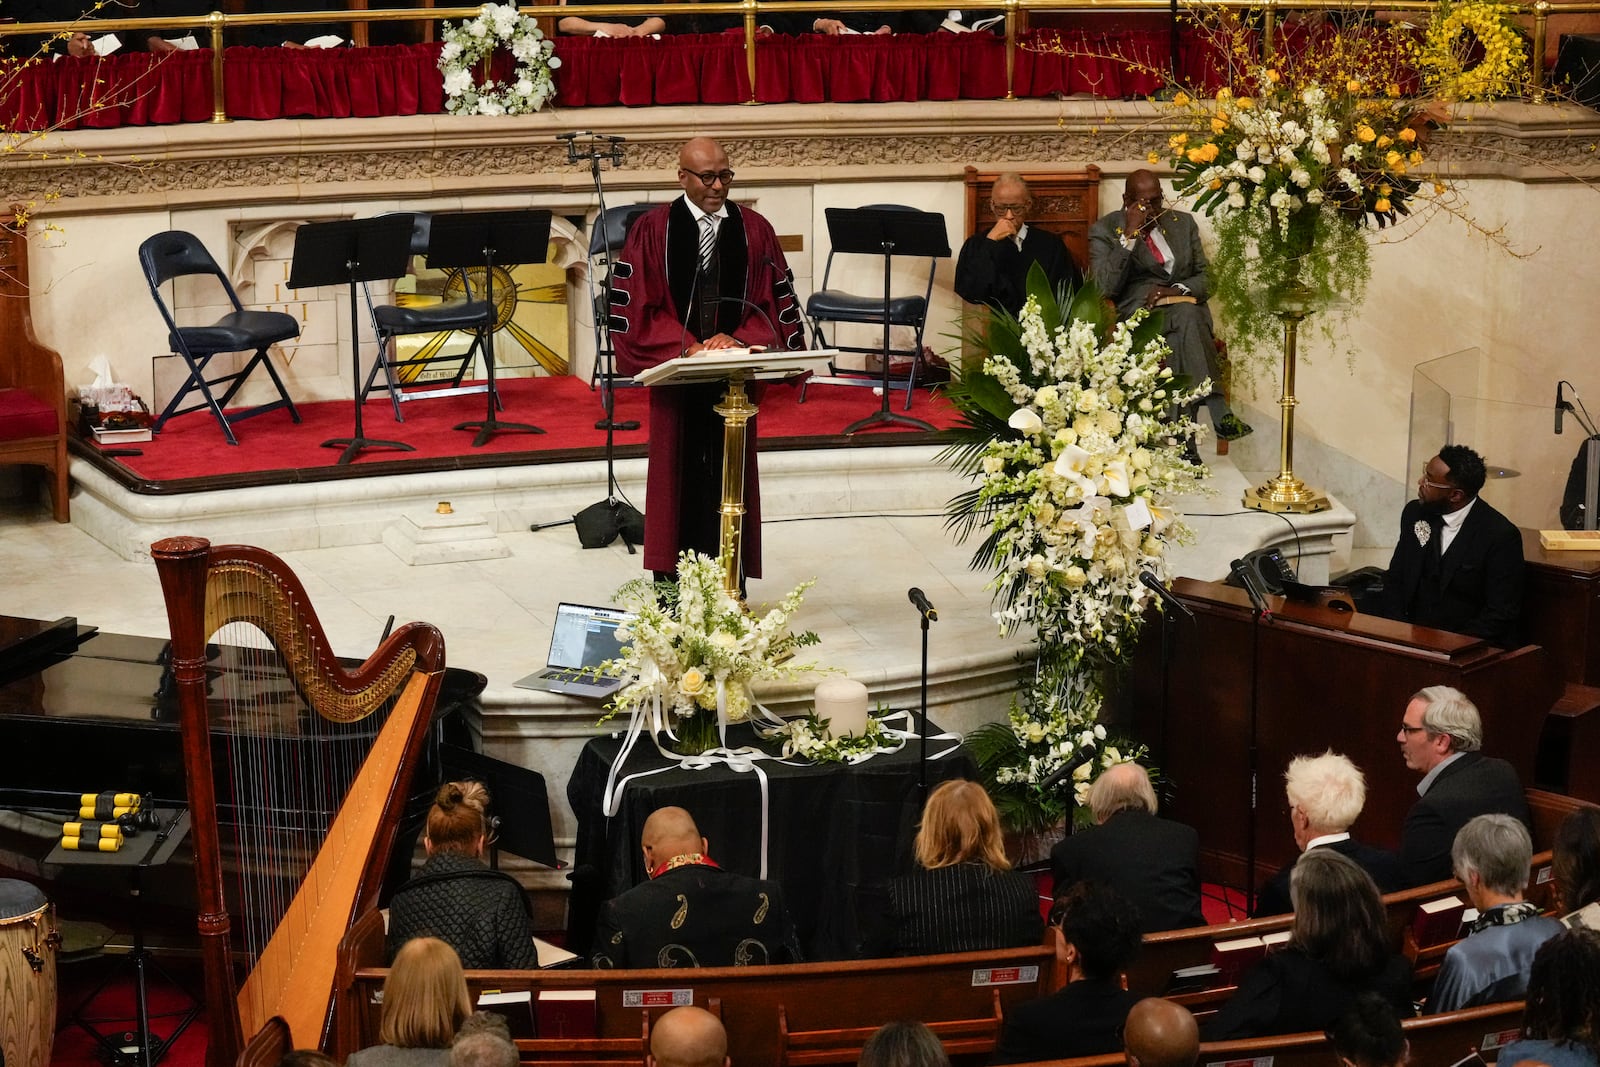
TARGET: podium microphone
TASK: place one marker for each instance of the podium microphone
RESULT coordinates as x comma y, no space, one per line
1149,580
1247,576
1559,406
924,608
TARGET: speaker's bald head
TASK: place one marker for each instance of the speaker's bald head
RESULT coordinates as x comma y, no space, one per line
1159,1033
688,1037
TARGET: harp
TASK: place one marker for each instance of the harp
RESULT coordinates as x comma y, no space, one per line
297,769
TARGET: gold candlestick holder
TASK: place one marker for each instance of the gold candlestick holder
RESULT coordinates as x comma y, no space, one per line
1287,493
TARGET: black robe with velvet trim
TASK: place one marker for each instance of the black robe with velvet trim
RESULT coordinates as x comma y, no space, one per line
653,293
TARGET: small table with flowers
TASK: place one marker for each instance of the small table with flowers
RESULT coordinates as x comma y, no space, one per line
834,832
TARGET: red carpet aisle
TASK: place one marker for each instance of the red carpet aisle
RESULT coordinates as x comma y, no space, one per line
192,446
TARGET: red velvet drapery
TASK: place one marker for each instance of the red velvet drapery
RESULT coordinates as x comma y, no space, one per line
138,89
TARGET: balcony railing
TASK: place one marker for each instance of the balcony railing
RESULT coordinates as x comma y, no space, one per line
1270,12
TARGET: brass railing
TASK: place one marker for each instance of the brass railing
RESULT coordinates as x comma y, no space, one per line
217,23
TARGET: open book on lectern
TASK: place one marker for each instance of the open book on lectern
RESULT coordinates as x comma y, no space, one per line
753,365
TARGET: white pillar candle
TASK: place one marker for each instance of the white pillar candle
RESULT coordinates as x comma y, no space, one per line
843,702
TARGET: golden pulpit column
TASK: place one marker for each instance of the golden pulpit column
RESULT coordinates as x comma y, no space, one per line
735,366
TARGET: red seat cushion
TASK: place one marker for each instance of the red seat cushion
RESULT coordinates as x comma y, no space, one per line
23,415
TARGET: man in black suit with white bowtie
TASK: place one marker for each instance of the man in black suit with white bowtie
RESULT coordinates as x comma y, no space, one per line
1458,563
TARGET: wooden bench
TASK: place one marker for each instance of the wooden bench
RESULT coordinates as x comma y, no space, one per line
757,1004
1435,1041
33,399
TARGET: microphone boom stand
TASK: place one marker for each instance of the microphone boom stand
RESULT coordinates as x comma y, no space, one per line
613,517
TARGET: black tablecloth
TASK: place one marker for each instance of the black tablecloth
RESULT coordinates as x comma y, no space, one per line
833,829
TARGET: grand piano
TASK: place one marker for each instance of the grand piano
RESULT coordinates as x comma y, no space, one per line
82,710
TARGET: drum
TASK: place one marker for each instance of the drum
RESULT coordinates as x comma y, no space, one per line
28,943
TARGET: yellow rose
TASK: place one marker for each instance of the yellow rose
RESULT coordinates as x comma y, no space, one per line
1385,141
1274,77
1219,122
1177,140
1408,135
1153,158
1210,151
1352,86
1224,93
693,682
1384,190
1394,158
1194,155
1181,100
1364,133
1216,183
1244,103
1381,206
1414,158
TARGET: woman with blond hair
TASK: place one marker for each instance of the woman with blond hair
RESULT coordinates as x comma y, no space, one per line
963,896
425,1000
481,913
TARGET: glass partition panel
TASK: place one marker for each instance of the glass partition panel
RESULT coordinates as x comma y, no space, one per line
1468,398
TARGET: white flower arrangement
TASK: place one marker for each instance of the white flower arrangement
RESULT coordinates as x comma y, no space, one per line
1077,495
695,649
472,42
1075,432
808,737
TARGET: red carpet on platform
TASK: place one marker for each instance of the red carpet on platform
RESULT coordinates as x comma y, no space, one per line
192,446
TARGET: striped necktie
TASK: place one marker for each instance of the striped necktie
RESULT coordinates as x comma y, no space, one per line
708,239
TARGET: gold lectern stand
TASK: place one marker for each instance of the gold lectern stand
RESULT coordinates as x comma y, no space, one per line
735,366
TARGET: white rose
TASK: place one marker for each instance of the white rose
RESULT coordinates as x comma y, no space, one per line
993,464
1047,396
693,682
1257,175
1074,577
1036,567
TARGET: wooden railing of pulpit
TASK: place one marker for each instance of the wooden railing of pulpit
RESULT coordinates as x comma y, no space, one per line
1230,700
297,770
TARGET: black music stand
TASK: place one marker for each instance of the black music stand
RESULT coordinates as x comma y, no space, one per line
875,231
344,253
482,239
151,848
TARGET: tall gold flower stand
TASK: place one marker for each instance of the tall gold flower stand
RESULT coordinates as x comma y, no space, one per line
735,367
1287,493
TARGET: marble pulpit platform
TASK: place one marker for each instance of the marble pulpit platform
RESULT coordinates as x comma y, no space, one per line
866,523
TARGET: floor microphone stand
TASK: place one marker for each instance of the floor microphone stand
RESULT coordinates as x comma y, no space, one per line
604,521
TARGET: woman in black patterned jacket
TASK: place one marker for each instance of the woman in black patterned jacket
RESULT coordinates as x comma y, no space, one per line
480,913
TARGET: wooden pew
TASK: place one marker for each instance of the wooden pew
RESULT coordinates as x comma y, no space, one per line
807,1048
955,988
1435,1041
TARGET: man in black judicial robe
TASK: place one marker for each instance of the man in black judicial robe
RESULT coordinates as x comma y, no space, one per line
692,913
993,267
1458,563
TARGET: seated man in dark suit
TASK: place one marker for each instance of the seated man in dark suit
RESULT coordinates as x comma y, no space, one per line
1458,563
1152,862
1440,736
993,267
1084,1017
692,913
1326,794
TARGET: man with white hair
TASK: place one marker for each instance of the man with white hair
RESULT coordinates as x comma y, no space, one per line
1440,735
1326,794
1491,964
1155,863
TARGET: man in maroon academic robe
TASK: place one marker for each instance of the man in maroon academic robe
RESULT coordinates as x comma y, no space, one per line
697,275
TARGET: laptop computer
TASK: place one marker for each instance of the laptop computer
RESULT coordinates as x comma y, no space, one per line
584,637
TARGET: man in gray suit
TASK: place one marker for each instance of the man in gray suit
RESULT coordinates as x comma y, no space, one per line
1145,256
